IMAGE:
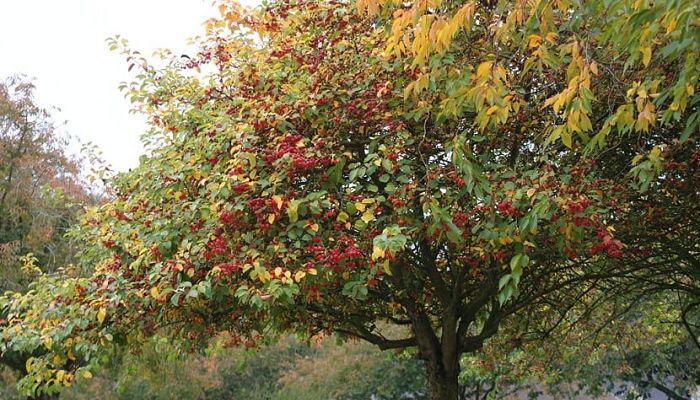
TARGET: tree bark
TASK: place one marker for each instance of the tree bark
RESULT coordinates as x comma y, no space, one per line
45,397
443,384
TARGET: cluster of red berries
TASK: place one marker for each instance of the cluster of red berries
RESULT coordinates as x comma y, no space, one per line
121,216
576,207
318,251
155,252
194,227
350,255
288,146
227,218
500,255
115,263
303,163
582,221
229,268
260,124
241,188
396,201
505,207
215,246
460,219
280,53
256,204
607,243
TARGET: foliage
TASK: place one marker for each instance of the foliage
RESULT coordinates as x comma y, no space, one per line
627,347
645,350
353,371
436,164
8,382
255,373
285,370
41,188
42,193
159,370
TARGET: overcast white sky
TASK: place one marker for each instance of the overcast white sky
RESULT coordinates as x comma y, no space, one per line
62,45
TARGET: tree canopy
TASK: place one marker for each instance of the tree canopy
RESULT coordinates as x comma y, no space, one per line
41,187
444,165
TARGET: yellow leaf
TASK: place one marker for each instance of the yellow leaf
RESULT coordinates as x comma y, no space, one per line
343,216
566,138
360,4
278,201
594,68
483,69
271,218
87,374
408,90
506,240
312,271
360,206
561,100
60,375
386,267
154,292
551,101
377,253
533,40
567,230
368,216
422,83
531,192
101,314
278,271
299,275
671,26
646,55
190,272
293,211
314,227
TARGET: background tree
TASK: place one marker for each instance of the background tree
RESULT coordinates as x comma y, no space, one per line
440,165
41,187
286,370
42,193
631,347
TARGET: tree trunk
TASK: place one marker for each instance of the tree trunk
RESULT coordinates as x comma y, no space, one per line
45,397
442,385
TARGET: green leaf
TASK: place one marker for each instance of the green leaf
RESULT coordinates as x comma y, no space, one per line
503,281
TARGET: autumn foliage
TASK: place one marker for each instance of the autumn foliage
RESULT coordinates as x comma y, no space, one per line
326,166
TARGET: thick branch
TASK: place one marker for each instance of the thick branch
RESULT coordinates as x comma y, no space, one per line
380,341
473,343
